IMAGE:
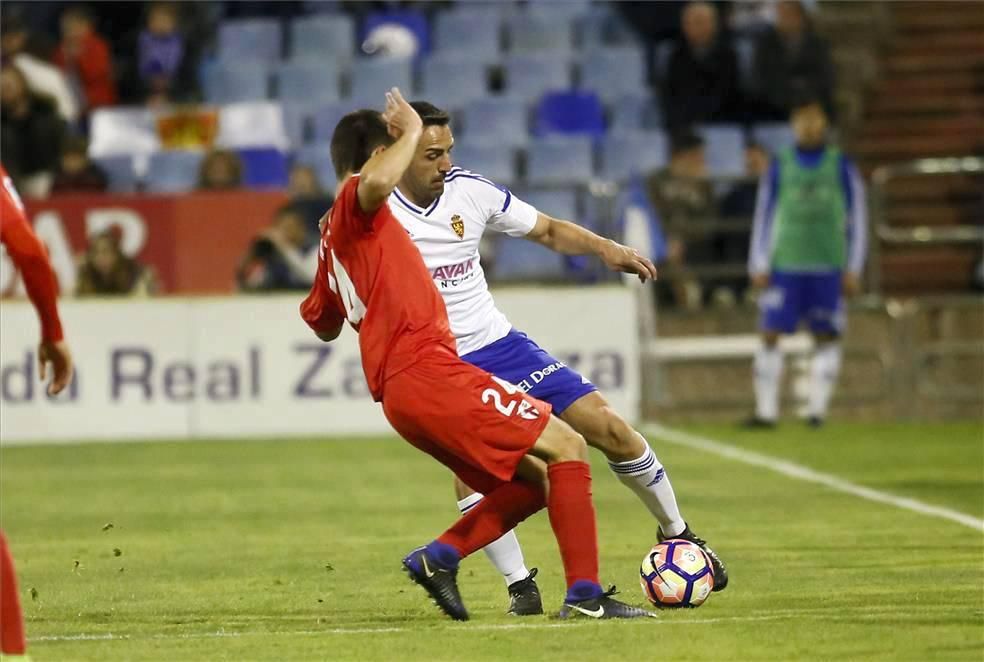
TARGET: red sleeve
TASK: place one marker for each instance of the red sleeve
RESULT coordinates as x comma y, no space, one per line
350,213
320,309
28,253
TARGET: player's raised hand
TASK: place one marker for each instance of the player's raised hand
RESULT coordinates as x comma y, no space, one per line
60,358
628,260
400,117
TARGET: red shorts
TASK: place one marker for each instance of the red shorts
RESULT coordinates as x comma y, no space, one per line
476,425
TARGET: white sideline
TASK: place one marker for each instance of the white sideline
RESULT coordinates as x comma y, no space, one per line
800,472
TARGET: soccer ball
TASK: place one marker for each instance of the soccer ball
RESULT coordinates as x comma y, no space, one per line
676,573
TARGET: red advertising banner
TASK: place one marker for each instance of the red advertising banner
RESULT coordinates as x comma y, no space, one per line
194,241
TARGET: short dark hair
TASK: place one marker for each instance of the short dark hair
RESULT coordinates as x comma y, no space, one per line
684,140
803,95
356,136
430,114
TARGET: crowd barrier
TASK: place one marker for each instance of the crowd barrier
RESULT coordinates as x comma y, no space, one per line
194,242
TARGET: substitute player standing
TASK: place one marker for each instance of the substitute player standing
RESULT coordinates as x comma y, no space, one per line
446,210
485,430
31,259
808,248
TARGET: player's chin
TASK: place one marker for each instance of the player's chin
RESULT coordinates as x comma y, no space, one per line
437,187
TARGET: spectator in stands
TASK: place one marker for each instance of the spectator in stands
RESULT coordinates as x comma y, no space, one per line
162,56
701,83
85,58
31,134
281,258
308,197
221,170
105,271
42,78
788,57
684,201
77,173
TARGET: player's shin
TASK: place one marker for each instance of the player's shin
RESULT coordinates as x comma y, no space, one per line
505,553
823,376
768,376
572,517
495,515
646,477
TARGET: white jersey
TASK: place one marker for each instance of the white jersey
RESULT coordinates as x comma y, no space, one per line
448,234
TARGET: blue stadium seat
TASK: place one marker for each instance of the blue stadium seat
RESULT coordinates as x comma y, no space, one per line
230,83
661,58
308,80
614,72
559,160
570,113
724,149
411,19
560,203
318,156
625,153
120,172
495,162
373,77
466,31
173,171
451,80
264,167
602,26
773,137
528,33
297,123
530,75
250,39
325,118
325,36
636,111
497,120
568,10
521,259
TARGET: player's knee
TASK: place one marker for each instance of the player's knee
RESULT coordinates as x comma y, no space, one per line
572,448
461,490
613,436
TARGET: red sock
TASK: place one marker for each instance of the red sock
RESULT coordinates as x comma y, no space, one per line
494,516
11,620
572,517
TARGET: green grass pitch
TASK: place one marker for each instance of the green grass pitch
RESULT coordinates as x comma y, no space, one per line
290,550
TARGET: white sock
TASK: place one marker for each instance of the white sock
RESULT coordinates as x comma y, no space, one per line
823,375
646,477
767,377
504,553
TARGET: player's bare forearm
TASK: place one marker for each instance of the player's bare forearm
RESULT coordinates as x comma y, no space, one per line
382,172
566,237
571,239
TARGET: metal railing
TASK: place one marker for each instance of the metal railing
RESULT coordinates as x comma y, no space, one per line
883,232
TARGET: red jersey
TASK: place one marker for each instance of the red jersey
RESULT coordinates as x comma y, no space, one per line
371,274
31,259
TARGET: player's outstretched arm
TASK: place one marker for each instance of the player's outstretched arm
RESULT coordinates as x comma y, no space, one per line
28,254
384,169
572,239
